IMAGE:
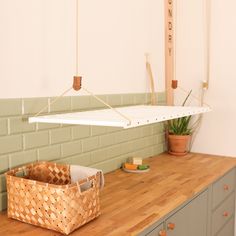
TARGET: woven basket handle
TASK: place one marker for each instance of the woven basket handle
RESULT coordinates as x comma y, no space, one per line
89,183
14,172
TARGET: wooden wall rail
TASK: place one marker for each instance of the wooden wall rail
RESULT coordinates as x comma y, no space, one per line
169,49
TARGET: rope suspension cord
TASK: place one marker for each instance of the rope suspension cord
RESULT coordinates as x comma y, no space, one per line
206,34
53,101
194,96
77,84
77,39
90,93
106,104
150,75
77,79
207,49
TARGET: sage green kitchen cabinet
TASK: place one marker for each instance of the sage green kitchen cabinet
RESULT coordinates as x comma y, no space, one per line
223,205
228,229
157,231
191,219
223,188
210,213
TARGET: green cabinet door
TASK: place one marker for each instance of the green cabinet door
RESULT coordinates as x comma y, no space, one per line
191,220
228,229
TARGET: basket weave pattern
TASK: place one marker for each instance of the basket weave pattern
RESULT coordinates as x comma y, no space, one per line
44,196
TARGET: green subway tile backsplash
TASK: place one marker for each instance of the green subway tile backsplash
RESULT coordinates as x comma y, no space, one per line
2,183
71,148
159,148
105,148
43,126
140,99
107,139
90,144
10,107
161,97
99,155
121,136
135,133
147,130
20,158
80,103
94,103
114,151
158,128
113,129
3,127
80,131
145,152
3,201
10,144
114,100
34,105
106,166
49,153
4,163
60,135
18,125
36,139
98,130
62,104
128,99
82,159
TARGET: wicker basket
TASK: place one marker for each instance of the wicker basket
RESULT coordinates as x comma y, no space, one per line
42,194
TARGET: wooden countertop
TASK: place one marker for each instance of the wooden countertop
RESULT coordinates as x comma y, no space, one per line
132,202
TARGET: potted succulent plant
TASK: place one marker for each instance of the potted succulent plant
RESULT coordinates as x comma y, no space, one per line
179,134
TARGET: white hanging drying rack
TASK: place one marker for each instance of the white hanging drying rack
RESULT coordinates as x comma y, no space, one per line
125,117
138,116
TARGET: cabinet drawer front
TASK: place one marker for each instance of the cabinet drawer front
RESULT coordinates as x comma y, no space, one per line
228,229
156,231
223,213
223,187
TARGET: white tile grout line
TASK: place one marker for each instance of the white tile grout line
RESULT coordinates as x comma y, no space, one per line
61,151
22,106
37,127
23,142
37,155
49,106
8,126
50,137
9,162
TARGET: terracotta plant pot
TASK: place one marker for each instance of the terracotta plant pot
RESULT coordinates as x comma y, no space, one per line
178,144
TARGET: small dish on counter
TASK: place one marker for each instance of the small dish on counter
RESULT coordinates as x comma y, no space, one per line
132,168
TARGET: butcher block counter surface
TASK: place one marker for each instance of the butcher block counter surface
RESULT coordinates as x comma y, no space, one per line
132,202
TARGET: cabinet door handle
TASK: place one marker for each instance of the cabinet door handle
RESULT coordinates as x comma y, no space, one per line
226,214
162,233
226,187
171,226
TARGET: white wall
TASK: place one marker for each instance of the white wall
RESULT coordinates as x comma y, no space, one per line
37,45
216,135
